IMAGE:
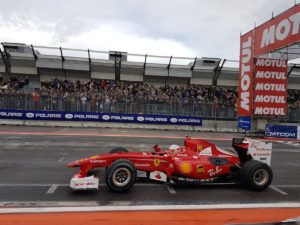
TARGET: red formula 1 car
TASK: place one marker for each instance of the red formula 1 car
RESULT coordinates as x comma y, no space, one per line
198,161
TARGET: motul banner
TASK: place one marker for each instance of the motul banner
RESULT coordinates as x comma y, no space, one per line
281,31
245,75
270,83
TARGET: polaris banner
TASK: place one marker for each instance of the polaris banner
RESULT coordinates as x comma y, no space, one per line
279,131
99,117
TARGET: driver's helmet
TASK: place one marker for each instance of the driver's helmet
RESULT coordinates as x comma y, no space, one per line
174,147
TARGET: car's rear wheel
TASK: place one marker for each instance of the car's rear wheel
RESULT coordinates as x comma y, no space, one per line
118,149
256,175
120,176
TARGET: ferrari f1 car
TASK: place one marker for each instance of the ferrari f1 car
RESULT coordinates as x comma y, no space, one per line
198,161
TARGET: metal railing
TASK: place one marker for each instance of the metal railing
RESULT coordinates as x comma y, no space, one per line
126,106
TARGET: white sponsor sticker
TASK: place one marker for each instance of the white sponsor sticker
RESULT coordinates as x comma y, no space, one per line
260,151
84,183
159,176
206,151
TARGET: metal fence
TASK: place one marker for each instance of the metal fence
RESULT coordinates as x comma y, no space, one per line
127,105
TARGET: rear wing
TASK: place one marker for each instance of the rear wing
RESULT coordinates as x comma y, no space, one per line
260,151
248,149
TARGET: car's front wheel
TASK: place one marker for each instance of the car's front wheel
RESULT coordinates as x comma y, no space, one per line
120,176
256,175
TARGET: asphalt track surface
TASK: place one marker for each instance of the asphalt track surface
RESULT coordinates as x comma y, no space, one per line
33,170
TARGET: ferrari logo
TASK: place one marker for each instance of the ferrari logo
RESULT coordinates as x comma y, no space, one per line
156,162
199,148
200,169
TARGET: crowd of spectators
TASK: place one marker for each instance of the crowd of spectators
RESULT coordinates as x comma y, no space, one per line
109,91
101,94
12,85
293,99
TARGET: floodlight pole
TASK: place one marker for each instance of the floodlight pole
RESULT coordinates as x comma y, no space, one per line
144,71
168,68
62,62
194,63
90,63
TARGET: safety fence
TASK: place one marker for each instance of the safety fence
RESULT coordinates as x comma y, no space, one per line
126,106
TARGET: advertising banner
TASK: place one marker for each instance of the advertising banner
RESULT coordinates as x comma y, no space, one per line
270,87
99,117
280,31
245,75
279,131
244,122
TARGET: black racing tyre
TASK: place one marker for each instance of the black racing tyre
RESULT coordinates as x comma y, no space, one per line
256,175
118,149
120,176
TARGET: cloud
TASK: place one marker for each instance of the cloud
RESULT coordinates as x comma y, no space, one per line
169,27
121,39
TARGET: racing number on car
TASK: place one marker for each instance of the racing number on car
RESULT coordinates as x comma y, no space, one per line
156,162
200,169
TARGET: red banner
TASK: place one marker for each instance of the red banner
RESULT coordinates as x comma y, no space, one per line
270,84
245,75
281,31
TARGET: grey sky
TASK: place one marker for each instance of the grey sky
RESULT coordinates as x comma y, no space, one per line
202,28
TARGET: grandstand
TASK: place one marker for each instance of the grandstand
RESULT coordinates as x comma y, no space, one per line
64,79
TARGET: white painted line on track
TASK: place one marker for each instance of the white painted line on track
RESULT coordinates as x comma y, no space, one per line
288,185
148,208
171,189
61,159
292,164
63,153
32,185
136,184
52,189
67,185
278,190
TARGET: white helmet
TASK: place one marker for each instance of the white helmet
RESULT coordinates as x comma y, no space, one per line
174,147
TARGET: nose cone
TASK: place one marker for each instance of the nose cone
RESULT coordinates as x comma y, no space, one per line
73,164
77,163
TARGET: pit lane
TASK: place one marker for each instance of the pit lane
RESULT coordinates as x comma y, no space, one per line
33,169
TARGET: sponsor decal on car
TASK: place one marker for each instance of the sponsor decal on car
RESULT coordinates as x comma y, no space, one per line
98,161
214,172
159,176
185,167
156,162
207,152
142,164
200,169
199,148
